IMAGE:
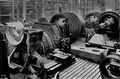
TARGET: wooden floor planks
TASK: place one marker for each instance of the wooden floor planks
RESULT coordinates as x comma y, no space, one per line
87,72
81,69
91,72
73,71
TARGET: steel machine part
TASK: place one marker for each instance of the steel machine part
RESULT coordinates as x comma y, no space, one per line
109,29
75,23
3,54
92,16
53,31
109,21
25,58
91,24
51,35
43,19
110,67
58,34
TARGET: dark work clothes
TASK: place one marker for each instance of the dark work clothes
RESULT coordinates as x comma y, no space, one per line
65,30
95,26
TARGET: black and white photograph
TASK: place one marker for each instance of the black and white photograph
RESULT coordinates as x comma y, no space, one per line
59,39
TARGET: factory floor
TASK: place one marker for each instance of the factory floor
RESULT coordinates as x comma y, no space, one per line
80,69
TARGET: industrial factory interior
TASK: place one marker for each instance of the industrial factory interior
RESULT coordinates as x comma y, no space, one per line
59,39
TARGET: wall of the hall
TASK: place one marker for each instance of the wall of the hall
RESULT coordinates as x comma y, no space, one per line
34,9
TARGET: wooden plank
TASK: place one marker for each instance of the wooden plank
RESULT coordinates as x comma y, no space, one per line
71,76
91,72
82,71
100,77
79,67
87,71
93,75
72,66
77,62
97,75
72,69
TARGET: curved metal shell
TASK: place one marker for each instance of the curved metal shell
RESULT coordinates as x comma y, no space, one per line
95,14
75,24
52,32
115,28
107,70
43,19
51,36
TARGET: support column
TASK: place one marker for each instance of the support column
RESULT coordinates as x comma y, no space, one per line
84,7
24,9
36,10
43,8
13,9
119,8
92,5
17,9
102,5
57,6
